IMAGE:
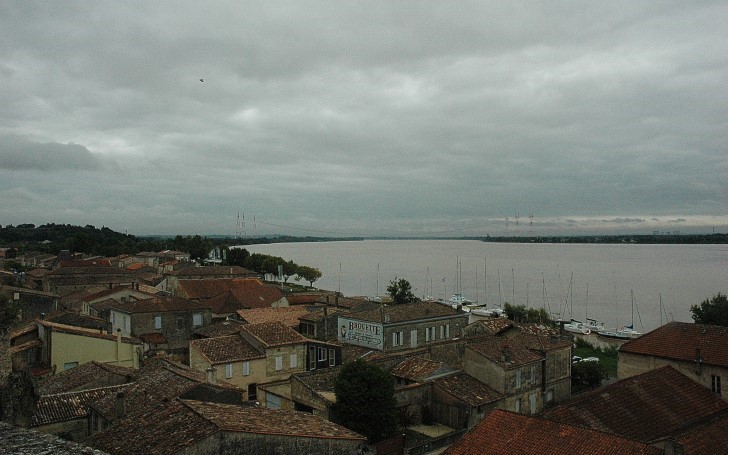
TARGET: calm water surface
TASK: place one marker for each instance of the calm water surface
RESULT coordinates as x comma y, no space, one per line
585,279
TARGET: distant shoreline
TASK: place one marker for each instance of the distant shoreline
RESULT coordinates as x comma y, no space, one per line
657,239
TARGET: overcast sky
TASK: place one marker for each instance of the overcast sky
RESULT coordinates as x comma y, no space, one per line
365,117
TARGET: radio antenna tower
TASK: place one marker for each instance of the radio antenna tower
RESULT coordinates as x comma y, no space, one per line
532,217
240,225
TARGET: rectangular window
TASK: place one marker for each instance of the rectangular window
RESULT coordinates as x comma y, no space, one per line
332,357
246,368
252,392
518,379
321,354
197,319
397,338
312,358
158,322
293,360
447,330
229,370
179,323
716,384
442,331
518,404
279,362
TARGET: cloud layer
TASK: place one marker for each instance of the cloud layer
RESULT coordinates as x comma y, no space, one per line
364,118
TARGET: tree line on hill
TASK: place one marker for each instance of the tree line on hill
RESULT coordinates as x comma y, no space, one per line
54,238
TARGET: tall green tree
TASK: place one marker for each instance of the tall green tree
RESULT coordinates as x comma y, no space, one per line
711,311
366,400
310,274
400,291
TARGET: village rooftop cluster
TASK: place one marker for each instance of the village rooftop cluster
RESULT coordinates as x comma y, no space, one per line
152,353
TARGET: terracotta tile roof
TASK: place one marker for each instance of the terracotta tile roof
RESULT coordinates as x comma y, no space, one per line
252,419
87,263
70,405
517,352
504,432
494,326
468,389
233,271
288,316
317,314
273,334
154,338
158,380
645,407
228,295
160,304
418,369
82,331
709,438
680,341
226,349
172,426
77,378
408,312
17,440
219,329
169,427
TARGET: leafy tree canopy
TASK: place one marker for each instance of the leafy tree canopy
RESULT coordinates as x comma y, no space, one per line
366,400
711,311
400,291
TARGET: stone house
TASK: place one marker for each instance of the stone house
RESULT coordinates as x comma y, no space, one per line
65,280
33,303
699,351
166,323
461,401
227,296
510,368
401,327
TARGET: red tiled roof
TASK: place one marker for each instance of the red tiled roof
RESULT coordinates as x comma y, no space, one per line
504,432
288,316
70,405
273,334
517,353
680,341
226,349
252,419
212,271
170,427
468,389
154,338
419,369
228,295
82,331
77,378
709,438
160,304
219,329
645,407
407,312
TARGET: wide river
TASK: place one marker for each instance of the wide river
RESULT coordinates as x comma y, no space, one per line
593,280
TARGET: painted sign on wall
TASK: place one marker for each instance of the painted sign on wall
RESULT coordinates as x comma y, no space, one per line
360,333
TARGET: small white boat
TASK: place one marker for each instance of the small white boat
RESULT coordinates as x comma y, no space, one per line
490,312
594,325
577,327
458,299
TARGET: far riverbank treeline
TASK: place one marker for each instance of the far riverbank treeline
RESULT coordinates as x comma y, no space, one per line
53,238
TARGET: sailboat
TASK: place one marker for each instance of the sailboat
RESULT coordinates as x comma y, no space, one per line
627,332
592,324
574,326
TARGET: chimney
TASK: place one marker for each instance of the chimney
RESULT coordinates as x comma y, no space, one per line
210,375
120,405
504,352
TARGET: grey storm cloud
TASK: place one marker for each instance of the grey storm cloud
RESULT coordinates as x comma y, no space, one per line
365,118
20,154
